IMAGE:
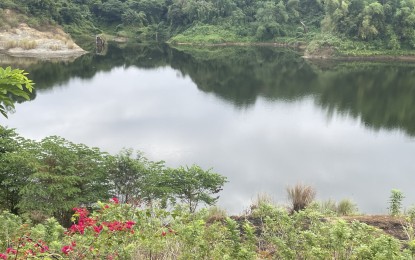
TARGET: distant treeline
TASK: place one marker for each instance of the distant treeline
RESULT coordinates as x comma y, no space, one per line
385,24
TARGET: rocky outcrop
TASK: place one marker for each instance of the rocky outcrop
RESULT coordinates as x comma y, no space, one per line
24,41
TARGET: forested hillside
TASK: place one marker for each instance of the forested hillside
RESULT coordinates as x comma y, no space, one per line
346,24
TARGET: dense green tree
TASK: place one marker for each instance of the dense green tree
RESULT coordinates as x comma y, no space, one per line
67,175
17,163
135,179
193,185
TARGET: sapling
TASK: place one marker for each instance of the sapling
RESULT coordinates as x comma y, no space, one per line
395,202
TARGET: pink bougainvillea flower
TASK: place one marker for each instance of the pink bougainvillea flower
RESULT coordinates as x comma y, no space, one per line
77,228
44,249
114,226
81,212
66,249
3,256
129,224
11,251
98,229
115,200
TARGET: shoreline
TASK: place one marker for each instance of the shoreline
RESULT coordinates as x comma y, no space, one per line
44,55
302,47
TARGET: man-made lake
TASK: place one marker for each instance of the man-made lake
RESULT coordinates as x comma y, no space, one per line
263,117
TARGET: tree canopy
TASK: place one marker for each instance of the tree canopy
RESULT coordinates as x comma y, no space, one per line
52,176
385,24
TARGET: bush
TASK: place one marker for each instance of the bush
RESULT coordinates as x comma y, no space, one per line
346,207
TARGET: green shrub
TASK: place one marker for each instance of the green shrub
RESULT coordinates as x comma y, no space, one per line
346,207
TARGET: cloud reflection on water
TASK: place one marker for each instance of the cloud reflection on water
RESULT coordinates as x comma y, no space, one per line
261,149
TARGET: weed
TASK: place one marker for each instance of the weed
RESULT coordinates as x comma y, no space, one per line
300,196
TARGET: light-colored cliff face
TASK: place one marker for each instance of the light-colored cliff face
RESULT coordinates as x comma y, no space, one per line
23,40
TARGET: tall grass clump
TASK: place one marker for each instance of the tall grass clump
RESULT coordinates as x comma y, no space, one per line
300,196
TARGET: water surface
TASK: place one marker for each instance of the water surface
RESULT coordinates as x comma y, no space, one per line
263,117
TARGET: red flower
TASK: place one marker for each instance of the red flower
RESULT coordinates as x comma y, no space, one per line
115,226
163,233
81,212
44,249
66,249
11,251
129,224
115,200
73,243
106,206
77,228
98,229
3,256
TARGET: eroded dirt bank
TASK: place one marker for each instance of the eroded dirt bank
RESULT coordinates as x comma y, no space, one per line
24,41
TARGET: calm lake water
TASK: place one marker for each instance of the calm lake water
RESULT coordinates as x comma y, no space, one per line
263,117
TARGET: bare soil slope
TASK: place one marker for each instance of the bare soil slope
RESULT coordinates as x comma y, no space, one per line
19,39
29,42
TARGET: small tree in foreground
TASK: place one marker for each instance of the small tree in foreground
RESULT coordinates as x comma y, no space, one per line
193,185
395,202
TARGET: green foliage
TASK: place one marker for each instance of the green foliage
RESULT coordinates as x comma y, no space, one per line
51,177
387,25
13,84
123,231
395,202
208,34
193,185
135,180
9,229
66,175
345,207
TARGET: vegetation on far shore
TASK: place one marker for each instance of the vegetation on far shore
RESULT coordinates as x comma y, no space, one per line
334,27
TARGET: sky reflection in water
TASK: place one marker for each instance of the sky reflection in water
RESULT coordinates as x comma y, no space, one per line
261,148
